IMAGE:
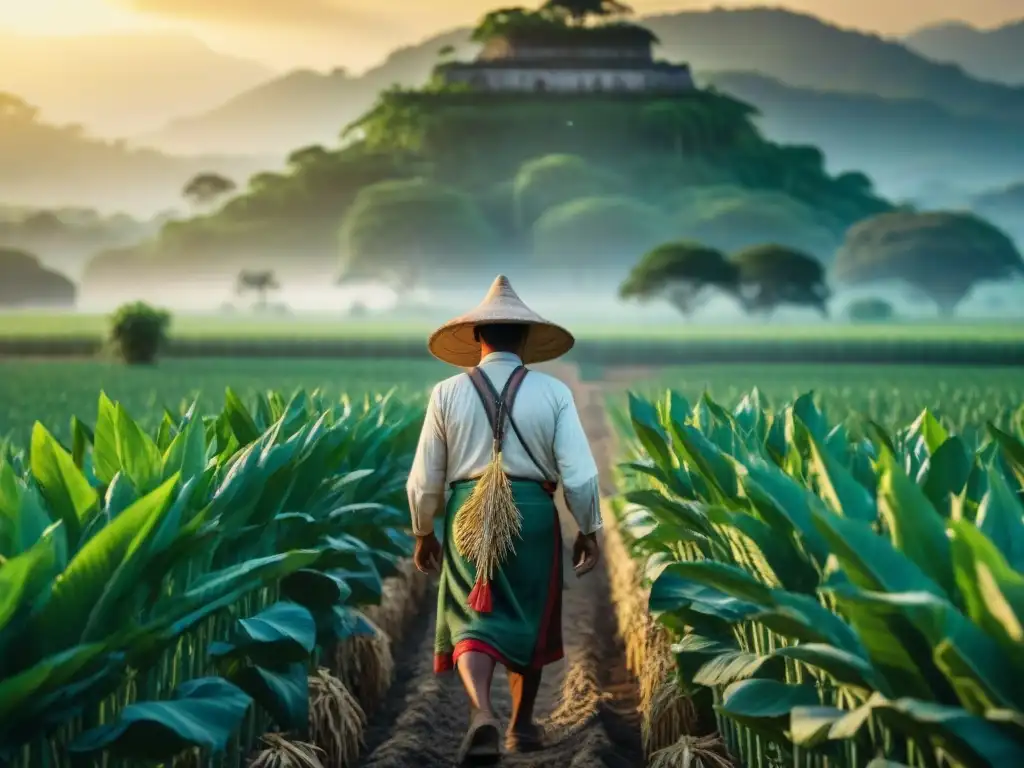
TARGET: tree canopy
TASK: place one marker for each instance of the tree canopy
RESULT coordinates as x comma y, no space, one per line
410,232
24,282
596,236
942,254
771,275
683,273
732,218
552,180
206,188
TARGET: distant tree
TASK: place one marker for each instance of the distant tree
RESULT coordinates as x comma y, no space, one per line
411,232
138,332
446,52
683,273
549,181
24,282
260,283
942,254
580,11
596,237
207,188
771,276
871,310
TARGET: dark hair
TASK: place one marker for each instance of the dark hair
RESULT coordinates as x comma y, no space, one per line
503,337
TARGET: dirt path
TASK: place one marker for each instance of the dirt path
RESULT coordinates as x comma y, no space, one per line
587,701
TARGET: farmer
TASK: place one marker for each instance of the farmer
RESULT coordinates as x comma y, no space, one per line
495,444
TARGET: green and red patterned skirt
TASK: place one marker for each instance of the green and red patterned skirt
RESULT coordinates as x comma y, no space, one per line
523,630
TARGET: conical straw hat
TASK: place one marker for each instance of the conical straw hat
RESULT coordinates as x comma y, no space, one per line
453,342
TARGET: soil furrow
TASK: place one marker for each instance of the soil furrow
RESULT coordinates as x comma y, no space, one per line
587,701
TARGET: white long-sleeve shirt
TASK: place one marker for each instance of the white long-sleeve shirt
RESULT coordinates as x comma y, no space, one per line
456,441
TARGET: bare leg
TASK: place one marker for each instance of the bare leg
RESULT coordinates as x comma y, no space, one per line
477,671
524,689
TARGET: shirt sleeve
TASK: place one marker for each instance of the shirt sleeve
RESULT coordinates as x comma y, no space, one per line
426,485
577,468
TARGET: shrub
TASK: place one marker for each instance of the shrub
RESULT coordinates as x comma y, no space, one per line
871,310
138,331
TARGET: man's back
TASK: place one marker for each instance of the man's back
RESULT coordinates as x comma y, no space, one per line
457,439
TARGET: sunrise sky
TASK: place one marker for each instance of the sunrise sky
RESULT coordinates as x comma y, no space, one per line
359,32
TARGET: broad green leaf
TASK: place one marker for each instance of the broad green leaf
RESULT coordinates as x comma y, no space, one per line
970,740
22,516
724,578
65,618
1001,518
870,560
844,667
187,453
140,458
715,466
650,431
765,704
670,511
809,726
839,488
46,676
281,634
993,592
205,713
670,592
1012,450
24,577
283,692
62,484
949,469
804,618
105,457
317,590
930,430
158,517
242,424
785,505
733,665
916,528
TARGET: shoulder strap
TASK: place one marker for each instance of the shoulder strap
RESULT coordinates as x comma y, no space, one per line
499,407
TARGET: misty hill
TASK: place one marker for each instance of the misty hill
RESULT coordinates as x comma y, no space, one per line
805,51
797,49
304,106
48,165
909,147
992,54
121,84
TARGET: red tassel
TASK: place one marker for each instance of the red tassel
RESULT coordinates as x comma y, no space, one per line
480,599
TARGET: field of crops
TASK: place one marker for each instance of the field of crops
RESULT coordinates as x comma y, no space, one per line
174,593
964,398
822,596
53,391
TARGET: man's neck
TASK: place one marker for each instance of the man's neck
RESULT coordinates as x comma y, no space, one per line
486,351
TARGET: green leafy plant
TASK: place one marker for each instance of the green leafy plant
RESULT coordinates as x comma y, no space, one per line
138,331
842,597
171,591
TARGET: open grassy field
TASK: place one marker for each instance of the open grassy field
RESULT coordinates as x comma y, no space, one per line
53,391
313,328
